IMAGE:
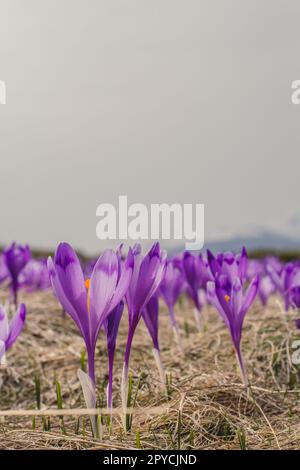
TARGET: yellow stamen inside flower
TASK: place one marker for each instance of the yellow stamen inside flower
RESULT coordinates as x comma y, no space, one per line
227,298
87,284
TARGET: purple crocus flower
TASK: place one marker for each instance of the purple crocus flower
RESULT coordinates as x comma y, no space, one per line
230,264
235,265
16,257
284,280
147,275
10,330
35,276
89,302
233,306
265,289
111,327
193,276
274,263
170,289
197,275
255,266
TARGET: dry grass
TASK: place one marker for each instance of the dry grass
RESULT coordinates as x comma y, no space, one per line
208,407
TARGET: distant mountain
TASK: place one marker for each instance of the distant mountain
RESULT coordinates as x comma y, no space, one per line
263,240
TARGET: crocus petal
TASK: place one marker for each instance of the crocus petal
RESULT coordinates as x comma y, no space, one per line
150,316
70,275
189,268
103,283
266,288
221,294
16,326
213,299
196,276
131,292
4,325
213,263
80,320
172,284
236,298
276,278
249,298
145,281
243,261
236,302
250,295
111,326
126,270
150,276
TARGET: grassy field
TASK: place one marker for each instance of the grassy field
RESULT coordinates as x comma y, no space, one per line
206,406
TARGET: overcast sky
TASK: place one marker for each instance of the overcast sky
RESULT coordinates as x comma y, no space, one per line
161,100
